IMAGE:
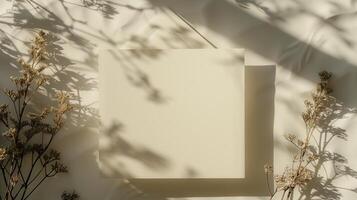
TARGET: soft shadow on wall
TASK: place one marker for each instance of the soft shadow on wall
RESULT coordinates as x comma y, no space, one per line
301,58
232,20
83,119
87,138
78,141
307,57
61,77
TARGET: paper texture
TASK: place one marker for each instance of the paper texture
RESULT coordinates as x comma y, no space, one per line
172,113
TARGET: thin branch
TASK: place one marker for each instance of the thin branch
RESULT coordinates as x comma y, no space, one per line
43,179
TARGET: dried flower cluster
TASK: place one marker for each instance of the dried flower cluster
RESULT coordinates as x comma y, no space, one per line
69,195
299,174
26,159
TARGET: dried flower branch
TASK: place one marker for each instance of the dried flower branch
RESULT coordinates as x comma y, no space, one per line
69,196
299,174
26,159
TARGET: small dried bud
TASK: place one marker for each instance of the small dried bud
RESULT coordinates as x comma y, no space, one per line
13,78
12,94
42,33
4,112
325,76
300,143
69,196
21,61
14,179
268,169
280,181
308,103
304,177
10,133
21,92
291,137
3,154
38,148
40,116
52,155
62,97
63,107
59,168
312,157
41,68
3,108
306,117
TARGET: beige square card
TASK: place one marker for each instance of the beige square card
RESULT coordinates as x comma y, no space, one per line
171,114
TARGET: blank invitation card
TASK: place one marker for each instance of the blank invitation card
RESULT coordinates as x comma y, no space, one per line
171,114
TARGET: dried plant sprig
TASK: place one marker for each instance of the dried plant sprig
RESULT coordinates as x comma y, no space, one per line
3,154
29,134
70,195
299,174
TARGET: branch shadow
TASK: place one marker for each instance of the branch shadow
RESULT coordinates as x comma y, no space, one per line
299,57
116,145
61,78
78,141
273,16
273,36
136,76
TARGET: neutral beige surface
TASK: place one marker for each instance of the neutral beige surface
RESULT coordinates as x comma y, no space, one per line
301,36
187,122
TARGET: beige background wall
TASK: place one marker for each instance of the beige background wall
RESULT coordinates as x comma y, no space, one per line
300,37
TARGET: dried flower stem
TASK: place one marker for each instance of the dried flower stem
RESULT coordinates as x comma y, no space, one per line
299,174
22,126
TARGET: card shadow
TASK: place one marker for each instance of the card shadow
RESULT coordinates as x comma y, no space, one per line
259,149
